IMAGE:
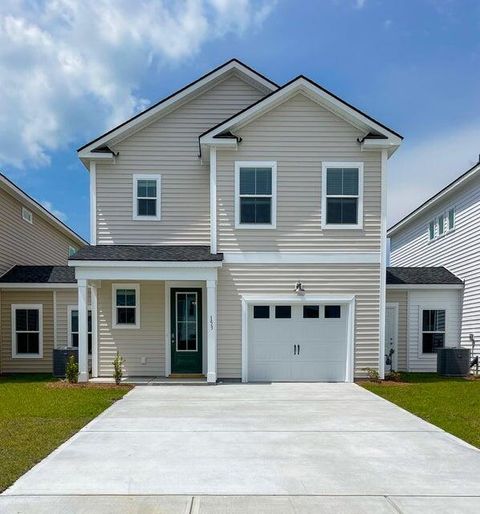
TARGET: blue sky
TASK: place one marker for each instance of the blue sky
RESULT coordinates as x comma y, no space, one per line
70,70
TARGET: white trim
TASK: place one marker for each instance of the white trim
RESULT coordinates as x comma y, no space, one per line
11,188
139,273
359,197
456,184
25,285
144,264
213,200
273,196
317,94
13,321
27,215
301,258
158,202
54,298
383,262
211,331
396,308
174,99
425,286
93,202
349,300
95,348
136,288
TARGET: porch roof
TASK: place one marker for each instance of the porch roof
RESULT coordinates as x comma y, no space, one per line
172,253
421,275
39,275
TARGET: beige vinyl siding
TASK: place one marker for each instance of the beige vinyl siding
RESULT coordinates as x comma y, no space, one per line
237,280
12,365
400,297
299,135
25,243
458,251
133,344
168,147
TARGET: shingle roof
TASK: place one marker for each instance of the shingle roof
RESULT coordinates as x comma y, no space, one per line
421,275
39,275
146,253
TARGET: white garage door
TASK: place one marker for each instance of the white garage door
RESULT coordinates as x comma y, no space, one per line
306,342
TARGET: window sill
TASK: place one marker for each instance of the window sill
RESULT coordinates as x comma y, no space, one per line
27,356
126,327
146,218
342,227
255,226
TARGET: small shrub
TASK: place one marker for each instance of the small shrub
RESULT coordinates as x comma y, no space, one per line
71,370
373,374
393,376
117,368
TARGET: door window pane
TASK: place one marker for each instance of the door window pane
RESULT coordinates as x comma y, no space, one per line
261,311
283,311
311,311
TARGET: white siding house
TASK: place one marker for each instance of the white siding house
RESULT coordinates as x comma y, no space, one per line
444,231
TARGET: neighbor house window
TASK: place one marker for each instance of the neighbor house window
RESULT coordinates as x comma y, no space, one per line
73,328
255,194
27,215
342,203
433,330
431,230
146,197
71,251
441,224
126,305
27,331
451,219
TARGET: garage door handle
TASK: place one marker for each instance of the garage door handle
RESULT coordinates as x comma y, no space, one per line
298,350
294,349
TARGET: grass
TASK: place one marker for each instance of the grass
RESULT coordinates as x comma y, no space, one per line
37,414
450,403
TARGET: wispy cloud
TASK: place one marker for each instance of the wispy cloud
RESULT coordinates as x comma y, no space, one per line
419,170
360,4
59,214
67,65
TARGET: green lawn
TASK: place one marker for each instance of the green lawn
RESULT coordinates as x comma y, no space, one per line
36,416
450,403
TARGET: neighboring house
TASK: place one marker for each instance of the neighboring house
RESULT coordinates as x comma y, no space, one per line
36,287
443,232
238,231
423,313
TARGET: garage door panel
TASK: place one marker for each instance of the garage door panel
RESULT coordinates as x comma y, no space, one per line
297,348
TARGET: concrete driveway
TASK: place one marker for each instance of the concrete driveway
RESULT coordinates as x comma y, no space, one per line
279,448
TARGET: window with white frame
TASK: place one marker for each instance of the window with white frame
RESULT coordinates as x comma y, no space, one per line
73,328
27,215
27,340
126,305
342,195
433,330
146,197
255,194
442,224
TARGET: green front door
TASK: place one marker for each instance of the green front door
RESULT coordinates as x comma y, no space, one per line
186,326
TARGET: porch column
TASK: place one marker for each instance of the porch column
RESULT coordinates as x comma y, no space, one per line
82,330
93,302
211,331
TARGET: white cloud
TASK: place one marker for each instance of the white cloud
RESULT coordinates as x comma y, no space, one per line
360,4
59,214
67,65
419,170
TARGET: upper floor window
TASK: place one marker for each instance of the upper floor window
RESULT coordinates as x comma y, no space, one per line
27,215
126,305
146,197
255,194
342,195
442,224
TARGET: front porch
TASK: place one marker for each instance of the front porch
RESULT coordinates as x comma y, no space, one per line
159,315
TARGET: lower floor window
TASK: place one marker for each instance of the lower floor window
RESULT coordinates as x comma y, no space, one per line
433,330
27,330
73,336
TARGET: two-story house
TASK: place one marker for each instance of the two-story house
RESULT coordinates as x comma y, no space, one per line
441,232
38,293
238,232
